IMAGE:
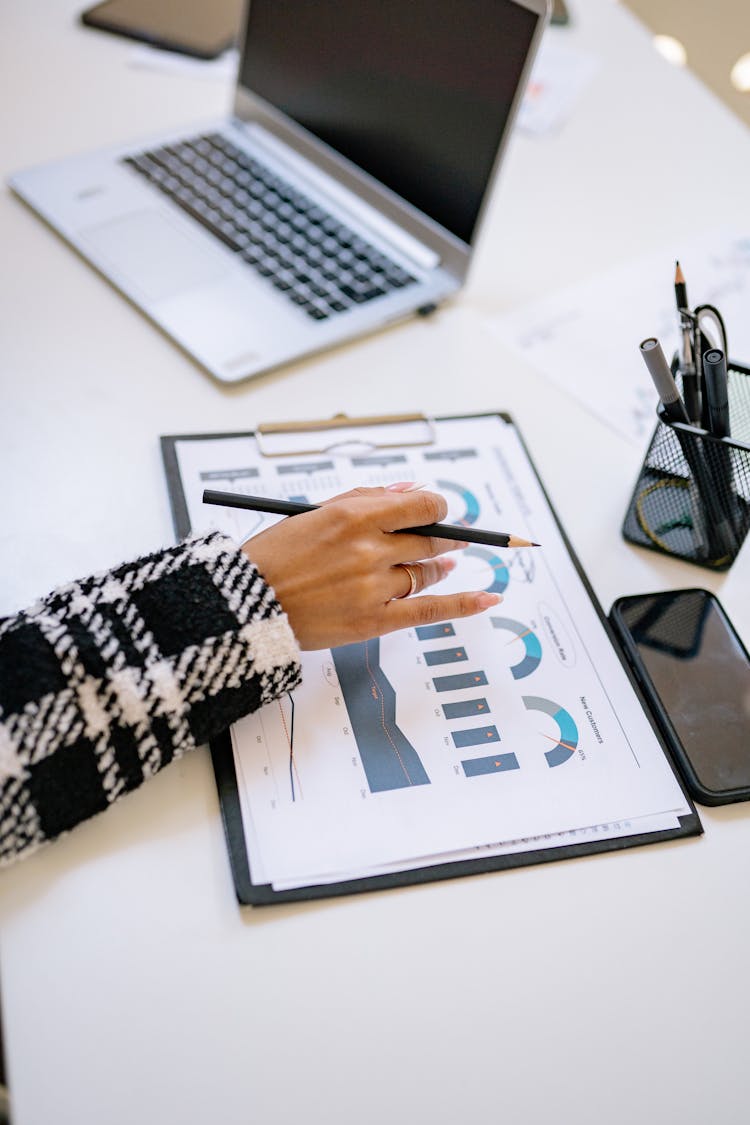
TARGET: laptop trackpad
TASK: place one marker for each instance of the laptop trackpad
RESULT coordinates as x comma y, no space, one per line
146,250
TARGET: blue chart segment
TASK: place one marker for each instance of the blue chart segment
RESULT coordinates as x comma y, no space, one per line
466,708
460,682
500,572
474,736
568,738
531,646
498,763
445,656
389,759
468,500
435,632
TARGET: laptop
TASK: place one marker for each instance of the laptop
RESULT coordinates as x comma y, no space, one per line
344,192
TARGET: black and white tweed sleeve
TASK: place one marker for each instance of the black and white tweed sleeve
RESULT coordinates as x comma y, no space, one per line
105,681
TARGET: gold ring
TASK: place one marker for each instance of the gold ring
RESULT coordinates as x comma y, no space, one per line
411,571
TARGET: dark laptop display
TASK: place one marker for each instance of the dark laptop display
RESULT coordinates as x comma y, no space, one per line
417,93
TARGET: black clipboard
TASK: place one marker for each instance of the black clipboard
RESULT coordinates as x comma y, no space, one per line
250,893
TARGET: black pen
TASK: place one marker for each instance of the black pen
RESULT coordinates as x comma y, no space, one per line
439,530
716,391
719,455
704,341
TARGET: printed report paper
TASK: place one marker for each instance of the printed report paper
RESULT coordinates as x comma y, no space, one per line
513,730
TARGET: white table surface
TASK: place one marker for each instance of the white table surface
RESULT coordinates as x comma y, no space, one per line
611,988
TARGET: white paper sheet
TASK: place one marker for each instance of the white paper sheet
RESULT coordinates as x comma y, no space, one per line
559,77
585,338
382,759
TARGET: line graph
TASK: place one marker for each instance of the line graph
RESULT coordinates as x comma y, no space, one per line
388,758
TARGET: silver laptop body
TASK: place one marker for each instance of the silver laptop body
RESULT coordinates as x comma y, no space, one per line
372,129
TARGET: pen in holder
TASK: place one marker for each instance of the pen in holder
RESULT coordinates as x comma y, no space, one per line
692,496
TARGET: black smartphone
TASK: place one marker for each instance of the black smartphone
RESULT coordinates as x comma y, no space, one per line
191,27
695,673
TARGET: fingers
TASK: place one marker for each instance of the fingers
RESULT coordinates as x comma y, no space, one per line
335,570
352,494
411,509
413,577
406,612
403,546
376,512
410,612
394,507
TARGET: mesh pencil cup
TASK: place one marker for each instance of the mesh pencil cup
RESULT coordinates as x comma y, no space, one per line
692,496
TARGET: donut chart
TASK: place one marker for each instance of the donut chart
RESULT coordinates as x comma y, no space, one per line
530,646
567,742
500,572
468,501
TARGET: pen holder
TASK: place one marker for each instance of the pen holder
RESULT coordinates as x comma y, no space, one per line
692,496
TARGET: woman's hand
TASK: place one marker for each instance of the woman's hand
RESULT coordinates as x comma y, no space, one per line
342,576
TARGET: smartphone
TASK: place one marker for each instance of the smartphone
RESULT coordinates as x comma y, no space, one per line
191,27
695,673
560,13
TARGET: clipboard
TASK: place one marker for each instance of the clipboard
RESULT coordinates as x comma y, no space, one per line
280,440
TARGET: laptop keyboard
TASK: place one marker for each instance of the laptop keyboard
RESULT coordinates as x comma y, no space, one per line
316,261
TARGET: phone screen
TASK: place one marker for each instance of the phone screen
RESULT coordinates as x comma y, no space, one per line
191,26
700,672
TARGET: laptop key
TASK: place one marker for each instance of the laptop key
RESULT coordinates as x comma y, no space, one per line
360,293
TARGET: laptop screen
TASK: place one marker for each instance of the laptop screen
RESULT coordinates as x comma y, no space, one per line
415,92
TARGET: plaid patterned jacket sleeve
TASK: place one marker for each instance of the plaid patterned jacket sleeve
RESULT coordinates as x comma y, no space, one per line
105,681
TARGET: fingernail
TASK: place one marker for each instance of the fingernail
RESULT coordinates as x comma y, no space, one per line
447,564
485,599
404,486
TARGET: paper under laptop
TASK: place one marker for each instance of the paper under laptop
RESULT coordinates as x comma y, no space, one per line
372,130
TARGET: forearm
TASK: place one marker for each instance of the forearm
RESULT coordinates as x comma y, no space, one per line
107,680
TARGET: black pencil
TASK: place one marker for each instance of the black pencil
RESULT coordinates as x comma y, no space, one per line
680,288
439,530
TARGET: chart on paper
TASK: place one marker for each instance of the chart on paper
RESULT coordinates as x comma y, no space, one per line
456,735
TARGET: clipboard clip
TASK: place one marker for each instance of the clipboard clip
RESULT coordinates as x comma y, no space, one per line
375,431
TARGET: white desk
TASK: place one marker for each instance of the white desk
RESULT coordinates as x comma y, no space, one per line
612,988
